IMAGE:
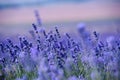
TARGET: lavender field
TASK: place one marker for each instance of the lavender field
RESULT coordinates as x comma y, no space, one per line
60,40
48,55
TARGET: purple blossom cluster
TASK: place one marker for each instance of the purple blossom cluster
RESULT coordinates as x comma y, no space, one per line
52,56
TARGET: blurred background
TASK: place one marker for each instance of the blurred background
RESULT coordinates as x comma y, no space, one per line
16,16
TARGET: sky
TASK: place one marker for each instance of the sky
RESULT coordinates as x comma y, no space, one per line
23,3
18,12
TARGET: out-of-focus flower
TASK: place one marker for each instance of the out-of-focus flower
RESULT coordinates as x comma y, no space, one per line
72,78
